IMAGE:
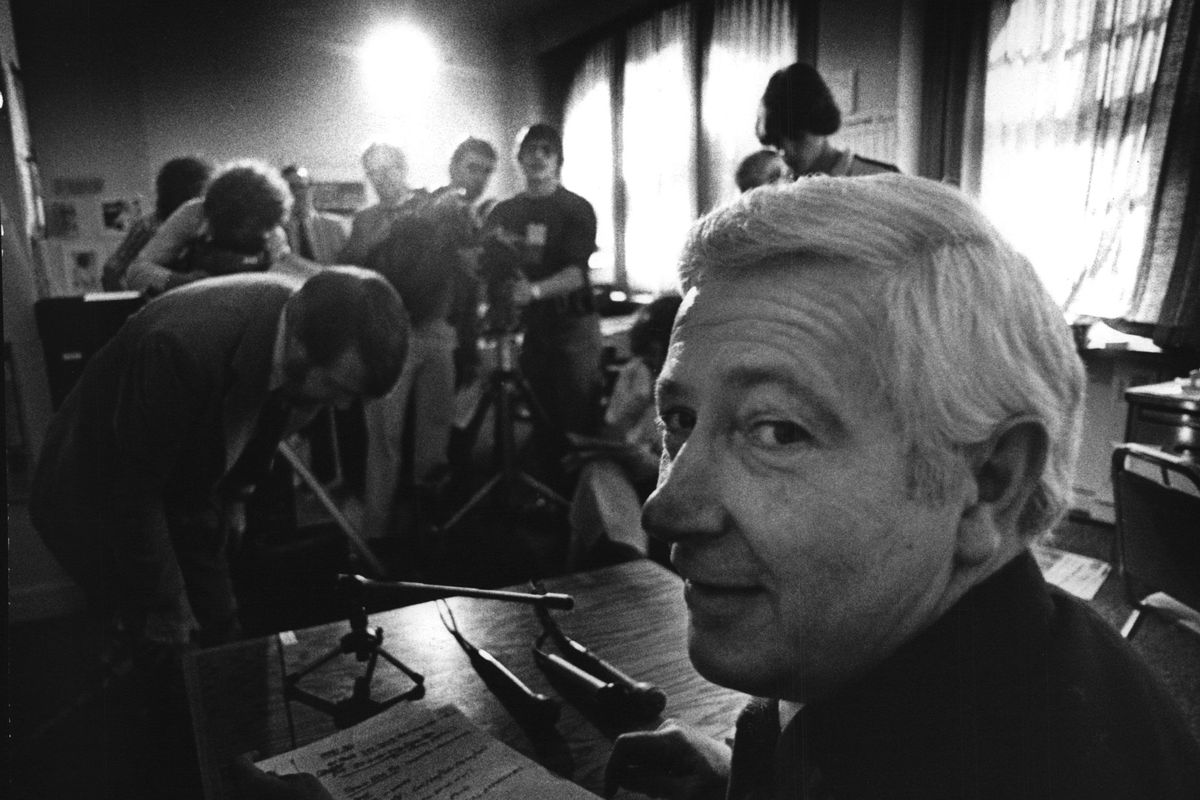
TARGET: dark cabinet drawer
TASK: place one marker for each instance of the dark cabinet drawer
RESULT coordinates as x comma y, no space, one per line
1165,415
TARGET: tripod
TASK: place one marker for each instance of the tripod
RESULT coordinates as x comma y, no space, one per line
506,386
366,646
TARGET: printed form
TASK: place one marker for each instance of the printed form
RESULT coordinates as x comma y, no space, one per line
412,752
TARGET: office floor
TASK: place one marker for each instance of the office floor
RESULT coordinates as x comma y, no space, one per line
114,743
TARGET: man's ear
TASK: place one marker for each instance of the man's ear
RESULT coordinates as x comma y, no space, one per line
1005,470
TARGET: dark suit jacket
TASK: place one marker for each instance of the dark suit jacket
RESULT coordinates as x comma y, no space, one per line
1019,691
145,428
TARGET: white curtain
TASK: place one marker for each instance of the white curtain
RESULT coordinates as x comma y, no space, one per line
588,144
750,40
1069,141
658,152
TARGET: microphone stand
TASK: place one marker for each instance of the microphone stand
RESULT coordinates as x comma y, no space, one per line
366,644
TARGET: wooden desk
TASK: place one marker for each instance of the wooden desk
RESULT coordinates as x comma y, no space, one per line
632,615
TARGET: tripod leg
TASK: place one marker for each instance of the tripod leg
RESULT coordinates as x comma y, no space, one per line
544,490
474,501
541,418
487,399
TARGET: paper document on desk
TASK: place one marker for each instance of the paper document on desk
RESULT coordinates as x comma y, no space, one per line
417,753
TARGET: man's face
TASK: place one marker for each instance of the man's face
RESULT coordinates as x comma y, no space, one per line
540,161
471,173
388,175
308,386
782,488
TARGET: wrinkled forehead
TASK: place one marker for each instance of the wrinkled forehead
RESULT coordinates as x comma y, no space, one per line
820,312
793,287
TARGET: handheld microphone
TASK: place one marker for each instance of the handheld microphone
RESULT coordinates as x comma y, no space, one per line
609,697
513,692
643,700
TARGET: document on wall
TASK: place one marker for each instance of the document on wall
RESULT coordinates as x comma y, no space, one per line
417,753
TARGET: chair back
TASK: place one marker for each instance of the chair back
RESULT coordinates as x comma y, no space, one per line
1157,498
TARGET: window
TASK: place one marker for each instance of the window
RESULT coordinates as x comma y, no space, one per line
644,213
658,148
588,144
1069,141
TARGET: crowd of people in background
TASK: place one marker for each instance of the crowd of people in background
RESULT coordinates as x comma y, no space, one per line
849,519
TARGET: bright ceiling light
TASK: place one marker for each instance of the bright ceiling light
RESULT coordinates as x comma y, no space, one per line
399,64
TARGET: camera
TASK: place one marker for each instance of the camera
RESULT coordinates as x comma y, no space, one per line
500,268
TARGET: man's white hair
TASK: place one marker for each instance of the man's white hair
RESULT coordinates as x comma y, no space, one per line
968,337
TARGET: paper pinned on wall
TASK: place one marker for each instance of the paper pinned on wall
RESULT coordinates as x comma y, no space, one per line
419,753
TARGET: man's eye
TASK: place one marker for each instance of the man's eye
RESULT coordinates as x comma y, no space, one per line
675,420
778,433
675,425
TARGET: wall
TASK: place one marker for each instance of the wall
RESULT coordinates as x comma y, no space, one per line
118,88
859,50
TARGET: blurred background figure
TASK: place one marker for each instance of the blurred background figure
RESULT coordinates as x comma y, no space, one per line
471,168
620,467
311,234
412,237
236,227
179,180
798,115
540,242
386,168
760,168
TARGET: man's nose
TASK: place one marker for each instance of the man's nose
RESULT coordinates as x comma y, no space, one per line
688,499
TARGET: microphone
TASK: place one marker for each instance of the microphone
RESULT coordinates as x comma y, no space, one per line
633,698
408,592
512,691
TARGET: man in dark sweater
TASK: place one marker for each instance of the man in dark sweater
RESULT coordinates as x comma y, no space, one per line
870,409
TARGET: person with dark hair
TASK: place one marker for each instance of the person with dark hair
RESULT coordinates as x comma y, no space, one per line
235,227
797,116
543,237
311,234
140,481
761,168
620,467
471,167
179,180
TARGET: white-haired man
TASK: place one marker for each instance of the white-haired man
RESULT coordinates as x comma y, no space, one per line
870,408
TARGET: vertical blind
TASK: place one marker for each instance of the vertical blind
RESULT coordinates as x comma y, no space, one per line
750,40
588,151
661,120
1070,142
658,147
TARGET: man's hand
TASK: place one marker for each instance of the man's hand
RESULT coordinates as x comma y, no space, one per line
675,761
254,784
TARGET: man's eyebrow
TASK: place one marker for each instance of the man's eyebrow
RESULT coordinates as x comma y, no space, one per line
744,377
